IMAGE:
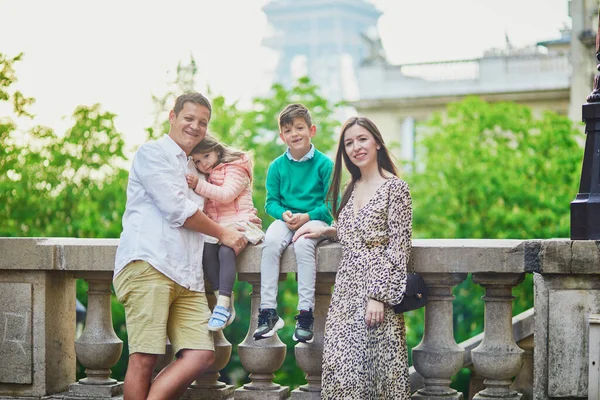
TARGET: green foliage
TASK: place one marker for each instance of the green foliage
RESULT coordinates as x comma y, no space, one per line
495,171
69,184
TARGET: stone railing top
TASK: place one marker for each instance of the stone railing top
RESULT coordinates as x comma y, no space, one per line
429,255
562,256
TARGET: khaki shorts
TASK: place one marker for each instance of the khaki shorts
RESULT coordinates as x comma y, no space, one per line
157,307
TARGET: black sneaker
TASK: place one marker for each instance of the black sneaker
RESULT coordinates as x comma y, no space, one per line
304,326
268,324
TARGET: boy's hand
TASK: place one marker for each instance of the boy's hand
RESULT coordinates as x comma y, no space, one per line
297,221
231,237
192,180
287,216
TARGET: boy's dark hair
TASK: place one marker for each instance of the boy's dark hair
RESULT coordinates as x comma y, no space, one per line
293,111
193,97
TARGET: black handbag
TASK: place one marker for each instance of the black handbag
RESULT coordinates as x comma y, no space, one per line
415,296
416,291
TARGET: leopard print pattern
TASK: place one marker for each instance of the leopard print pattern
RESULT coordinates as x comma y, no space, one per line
361,362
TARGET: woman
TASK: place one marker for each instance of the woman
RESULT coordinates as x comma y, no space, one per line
365,355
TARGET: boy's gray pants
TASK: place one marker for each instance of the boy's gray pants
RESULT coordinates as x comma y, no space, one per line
277,238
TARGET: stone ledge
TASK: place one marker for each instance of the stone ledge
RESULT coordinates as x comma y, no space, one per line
562,256
430,255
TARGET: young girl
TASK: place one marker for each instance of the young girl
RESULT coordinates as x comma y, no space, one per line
228,202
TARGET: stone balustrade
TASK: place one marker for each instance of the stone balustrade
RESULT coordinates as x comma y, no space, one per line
37,300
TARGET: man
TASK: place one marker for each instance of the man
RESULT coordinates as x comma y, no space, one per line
158,266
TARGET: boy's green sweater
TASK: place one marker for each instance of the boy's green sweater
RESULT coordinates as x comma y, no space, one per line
300,187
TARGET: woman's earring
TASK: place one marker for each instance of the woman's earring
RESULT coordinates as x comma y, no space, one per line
378,147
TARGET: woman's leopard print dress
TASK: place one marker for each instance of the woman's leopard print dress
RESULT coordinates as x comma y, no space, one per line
359,362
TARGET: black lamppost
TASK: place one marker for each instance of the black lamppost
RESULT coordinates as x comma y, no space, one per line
585,209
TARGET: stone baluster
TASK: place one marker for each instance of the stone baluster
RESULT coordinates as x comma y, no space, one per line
498,358
437,358
475,382
523,382
309,356
207,385
98,348
260,357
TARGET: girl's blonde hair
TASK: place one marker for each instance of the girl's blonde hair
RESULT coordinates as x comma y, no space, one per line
225,154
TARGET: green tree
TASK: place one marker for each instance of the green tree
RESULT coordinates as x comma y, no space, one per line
70,184
495,171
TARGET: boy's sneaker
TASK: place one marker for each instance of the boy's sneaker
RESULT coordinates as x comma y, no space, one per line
268,324
304,326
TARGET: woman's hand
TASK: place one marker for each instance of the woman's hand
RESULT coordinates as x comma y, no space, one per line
374,313
192,181
310,232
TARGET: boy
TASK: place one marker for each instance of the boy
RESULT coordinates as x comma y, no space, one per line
297,184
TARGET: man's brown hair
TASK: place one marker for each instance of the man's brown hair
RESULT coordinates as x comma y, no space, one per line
193,97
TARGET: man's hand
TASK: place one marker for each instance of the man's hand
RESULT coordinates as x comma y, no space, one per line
297,221
192,180
231,237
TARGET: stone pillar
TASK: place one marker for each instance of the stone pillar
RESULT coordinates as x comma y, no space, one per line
475,383
498,358
98,348
207,385
523,382
309,356
260,357
437,358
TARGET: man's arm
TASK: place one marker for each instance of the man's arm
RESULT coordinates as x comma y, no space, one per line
160,180
164,183
230,237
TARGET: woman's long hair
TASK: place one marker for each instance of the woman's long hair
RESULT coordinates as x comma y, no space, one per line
225,154
384,162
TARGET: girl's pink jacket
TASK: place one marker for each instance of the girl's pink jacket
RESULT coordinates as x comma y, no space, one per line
228,192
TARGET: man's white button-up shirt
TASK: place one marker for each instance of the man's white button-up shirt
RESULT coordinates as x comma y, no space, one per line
158,203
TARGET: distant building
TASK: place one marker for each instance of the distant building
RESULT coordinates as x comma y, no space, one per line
324,39
554,75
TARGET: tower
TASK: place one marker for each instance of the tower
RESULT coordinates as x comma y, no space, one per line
324,39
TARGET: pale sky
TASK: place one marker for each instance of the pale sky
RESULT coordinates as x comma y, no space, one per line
118,52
